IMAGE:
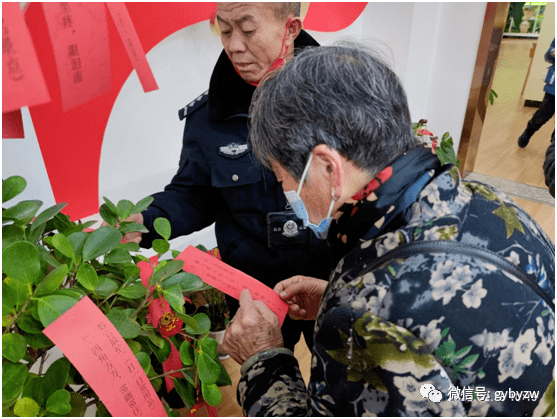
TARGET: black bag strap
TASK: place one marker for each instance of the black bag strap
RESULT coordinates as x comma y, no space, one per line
443,246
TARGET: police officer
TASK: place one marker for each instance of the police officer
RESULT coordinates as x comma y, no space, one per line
219,180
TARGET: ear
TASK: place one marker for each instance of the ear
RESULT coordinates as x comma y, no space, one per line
333,167
292,31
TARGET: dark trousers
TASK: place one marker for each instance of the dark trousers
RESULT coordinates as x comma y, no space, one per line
542,115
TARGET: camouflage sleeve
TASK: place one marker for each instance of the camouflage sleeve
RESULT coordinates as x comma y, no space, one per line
271,385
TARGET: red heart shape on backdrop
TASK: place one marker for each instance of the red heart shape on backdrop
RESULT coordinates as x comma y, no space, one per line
71,141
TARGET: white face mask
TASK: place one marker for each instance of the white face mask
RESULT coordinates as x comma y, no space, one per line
295,201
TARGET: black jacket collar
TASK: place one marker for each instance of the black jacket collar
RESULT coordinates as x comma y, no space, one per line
229,94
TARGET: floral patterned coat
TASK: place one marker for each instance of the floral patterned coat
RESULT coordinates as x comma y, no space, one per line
430,334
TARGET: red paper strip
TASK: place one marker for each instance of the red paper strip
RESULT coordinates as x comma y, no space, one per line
229,280
22,80
94,346
12,125
173,362
133,46
79,36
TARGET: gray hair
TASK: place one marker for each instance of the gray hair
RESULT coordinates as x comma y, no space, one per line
283,10
344,96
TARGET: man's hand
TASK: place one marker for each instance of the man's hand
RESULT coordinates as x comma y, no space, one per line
253,329
303,294
134,236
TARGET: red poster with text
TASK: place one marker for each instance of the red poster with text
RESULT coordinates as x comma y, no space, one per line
22,79
104,359
79,35
133,46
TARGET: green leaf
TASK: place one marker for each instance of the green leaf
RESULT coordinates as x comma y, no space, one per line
134,346
13,346
224,378
26,407
162,226
59,402
144,361
53,306
29,324
163,353
133,291
9,299
38,341
56,377
142,205
160,246
33,236
132,227
187,281
165,270
156,339
78,404
13,378
100,242
77,241
118,255
10,234
469,360
34,388
127,327
106,286
22,212
202,248
21,261
209,346
173,295
87,276
46,258
188,321
124,209
129,246
211,393
22,290
46,215
444,333
61,243
445,136
207,369
108,215
12,187
110,205
52,281
186,353
203,322
186,392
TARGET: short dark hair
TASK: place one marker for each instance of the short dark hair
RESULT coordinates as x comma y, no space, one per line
344,96
283,10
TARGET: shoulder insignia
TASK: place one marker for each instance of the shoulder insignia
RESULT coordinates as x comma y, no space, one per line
193,105
233,150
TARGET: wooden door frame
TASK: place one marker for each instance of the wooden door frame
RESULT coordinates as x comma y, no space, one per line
482,79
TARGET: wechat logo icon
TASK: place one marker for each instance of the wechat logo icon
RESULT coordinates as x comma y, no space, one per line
430,392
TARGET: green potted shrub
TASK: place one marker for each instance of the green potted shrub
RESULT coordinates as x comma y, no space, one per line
49,263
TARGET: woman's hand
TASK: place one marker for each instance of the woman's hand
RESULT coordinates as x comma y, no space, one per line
303,294
253,329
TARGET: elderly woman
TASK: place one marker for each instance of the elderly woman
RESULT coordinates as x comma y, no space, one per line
441,301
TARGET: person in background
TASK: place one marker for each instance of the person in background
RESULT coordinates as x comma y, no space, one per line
547,107
549,166
218,180
443,296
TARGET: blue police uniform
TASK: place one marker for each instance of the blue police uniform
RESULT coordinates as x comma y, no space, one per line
219,180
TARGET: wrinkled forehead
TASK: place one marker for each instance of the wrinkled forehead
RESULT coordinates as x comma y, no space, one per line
241,12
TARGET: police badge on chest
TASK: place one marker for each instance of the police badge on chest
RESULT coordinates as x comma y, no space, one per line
285,230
